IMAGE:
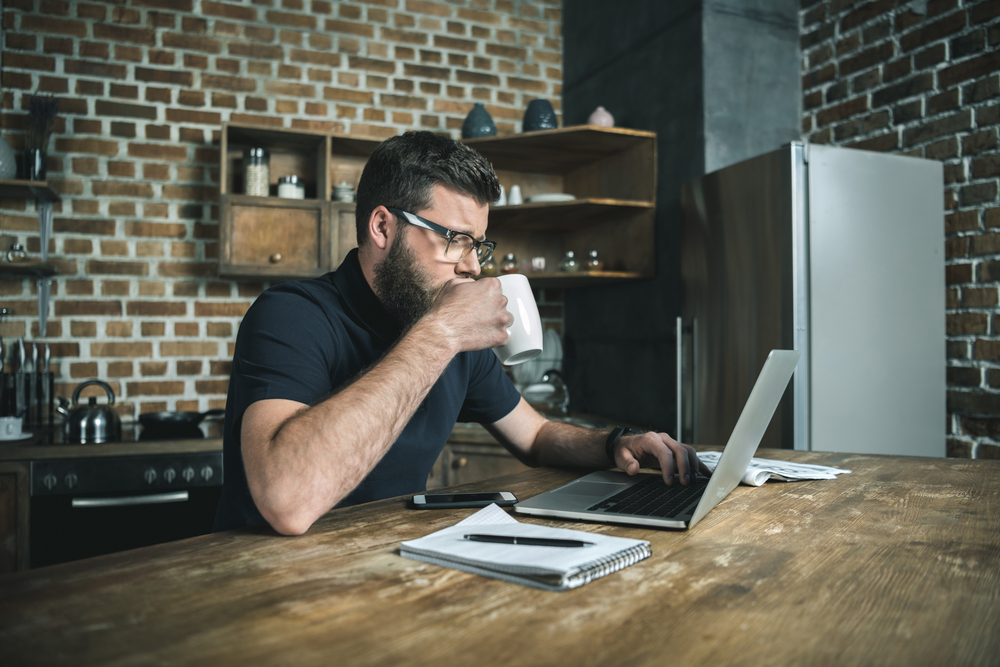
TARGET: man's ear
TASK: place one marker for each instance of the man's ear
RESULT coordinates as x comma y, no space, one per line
381,227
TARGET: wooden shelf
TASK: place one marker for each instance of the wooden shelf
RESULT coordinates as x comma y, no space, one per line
562,216
24,269
581,278
560,151
611,172
18,189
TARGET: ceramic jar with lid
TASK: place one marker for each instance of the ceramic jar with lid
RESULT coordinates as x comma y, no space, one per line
594,262
569,263
509,263
291,187
257,172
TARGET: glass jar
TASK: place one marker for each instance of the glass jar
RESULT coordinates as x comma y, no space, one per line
594,263
257,170
489,267
16,253
291,187
509,263
569,263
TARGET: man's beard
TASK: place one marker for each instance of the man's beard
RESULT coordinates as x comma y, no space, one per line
400,286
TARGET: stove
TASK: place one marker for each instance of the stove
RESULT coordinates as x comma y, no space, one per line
89,500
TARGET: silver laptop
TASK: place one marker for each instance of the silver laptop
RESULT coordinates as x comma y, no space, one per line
615,497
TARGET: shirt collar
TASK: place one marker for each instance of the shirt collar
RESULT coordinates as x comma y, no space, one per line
362,301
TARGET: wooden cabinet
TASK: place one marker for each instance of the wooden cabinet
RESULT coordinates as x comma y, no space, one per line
287,238
13,517
471,454
611,172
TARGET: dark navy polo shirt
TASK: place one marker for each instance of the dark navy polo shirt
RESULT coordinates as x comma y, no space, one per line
303,340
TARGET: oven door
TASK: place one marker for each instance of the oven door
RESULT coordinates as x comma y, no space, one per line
88,507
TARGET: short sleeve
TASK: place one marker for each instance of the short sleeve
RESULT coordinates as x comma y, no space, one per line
287,352
491,395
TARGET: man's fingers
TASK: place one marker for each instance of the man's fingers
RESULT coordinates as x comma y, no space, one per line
627,461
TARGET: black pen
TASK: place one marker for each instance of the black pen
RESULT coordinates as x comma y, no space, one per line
533,541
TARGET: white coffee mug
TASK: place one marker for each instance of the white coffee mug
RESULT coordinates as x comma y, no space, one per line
10,428
526,332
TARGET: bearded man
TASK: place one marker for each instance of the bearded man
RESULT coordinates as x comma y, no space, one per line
344,388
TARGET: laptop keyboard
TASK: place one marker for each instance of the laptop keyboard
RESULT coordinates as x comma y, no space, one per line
651,497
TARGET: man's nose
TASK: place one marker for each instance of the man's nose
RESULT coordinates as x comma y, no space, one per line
470,265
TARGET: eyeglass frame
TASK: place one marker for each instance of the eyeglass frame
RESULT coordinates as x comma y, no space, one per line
450,234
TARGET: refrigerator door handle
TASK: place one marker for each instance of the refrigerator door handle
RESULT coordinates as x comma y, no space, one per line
680,379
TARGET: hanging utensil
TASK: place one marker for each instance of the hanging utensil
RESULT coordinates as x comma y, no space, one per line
4,395
45,226
46,402
32,387
44,286
19,405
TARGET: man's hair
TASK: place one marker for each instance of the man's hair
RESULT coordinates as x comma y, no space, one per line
402,170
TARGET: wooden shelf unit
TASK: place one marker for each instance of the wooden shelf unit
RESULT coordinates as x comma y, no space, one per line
20,189
287,238
612,174
27,270
610,171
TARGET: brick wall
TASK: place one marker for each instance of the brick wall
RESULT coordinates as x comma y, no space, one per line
921,78
143,88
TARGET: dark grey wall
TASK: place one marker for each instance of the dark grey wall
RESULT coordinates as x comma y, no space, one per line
718,82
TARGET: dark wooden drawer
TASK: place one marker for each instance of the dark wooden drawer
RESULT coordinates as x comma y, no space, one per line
267,236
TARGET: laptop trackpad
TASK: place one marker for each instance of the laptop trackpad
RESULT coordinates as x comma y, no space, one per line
595,489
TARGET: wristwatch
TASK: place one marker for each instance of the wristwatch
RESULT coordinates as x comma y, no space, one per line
616,432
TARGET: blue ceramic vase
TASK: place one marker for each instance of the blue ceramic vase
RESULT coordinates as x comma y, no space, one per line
539,116
478,123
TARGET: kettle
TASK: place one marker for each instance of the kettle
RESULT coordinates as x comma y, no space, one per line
91,423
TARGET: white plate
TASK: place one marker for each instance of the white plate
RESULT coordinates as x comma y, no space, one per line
549,197
23,436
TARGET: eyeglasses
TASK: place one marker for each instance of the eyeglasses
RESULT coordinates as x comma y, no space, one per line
460,244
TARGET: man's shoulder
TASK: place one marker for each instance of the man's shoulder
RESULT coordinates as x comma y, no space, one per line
321,291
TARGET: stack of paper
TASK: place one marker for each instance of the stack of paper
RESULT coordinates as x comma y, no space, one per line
761,470
548,567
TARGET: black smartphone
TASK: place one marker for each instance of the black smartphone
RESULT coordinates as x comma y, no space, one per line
432,501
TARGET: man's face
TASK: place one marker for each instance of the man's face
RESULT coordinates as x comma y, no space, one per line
415,269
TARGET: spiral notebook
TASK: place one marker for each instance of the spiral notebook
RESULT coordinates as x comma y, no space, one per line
545,567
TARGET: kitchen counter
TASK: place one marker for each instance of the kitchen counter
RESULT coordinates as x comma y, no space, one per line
29,452
29,449
896,563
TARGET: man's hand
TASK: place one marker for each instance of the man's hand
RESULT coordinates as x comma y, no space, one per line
659,450
471,314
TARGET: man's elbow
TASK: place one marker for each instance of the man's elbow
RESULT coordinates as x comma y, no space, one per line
284,509
287,522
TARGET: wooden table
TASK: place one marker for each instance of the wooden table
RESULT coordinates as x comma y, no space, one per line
897,563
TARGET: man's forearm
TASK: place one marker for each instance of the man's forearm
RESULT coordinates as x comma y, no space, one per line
318,455
566,445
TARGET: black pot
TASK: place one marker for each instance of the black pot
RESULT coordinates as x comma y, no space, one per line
174,425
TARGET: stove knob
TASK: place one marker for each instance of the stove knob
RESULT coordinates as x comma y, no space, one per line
206,473
70,480
187,474
169,475
50,481
149,475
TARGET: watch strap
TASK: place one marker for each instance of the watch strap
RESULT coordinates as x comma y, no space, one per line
616,433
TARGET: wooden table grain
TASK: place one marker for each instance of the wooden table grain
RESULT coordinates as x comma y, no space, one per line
897,563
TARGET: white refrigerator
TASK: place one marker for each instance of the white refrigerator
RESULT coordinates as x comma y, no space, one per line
838,253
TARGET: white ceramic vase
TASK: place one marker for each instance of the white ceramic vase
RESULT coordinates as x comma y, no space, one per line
601,118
